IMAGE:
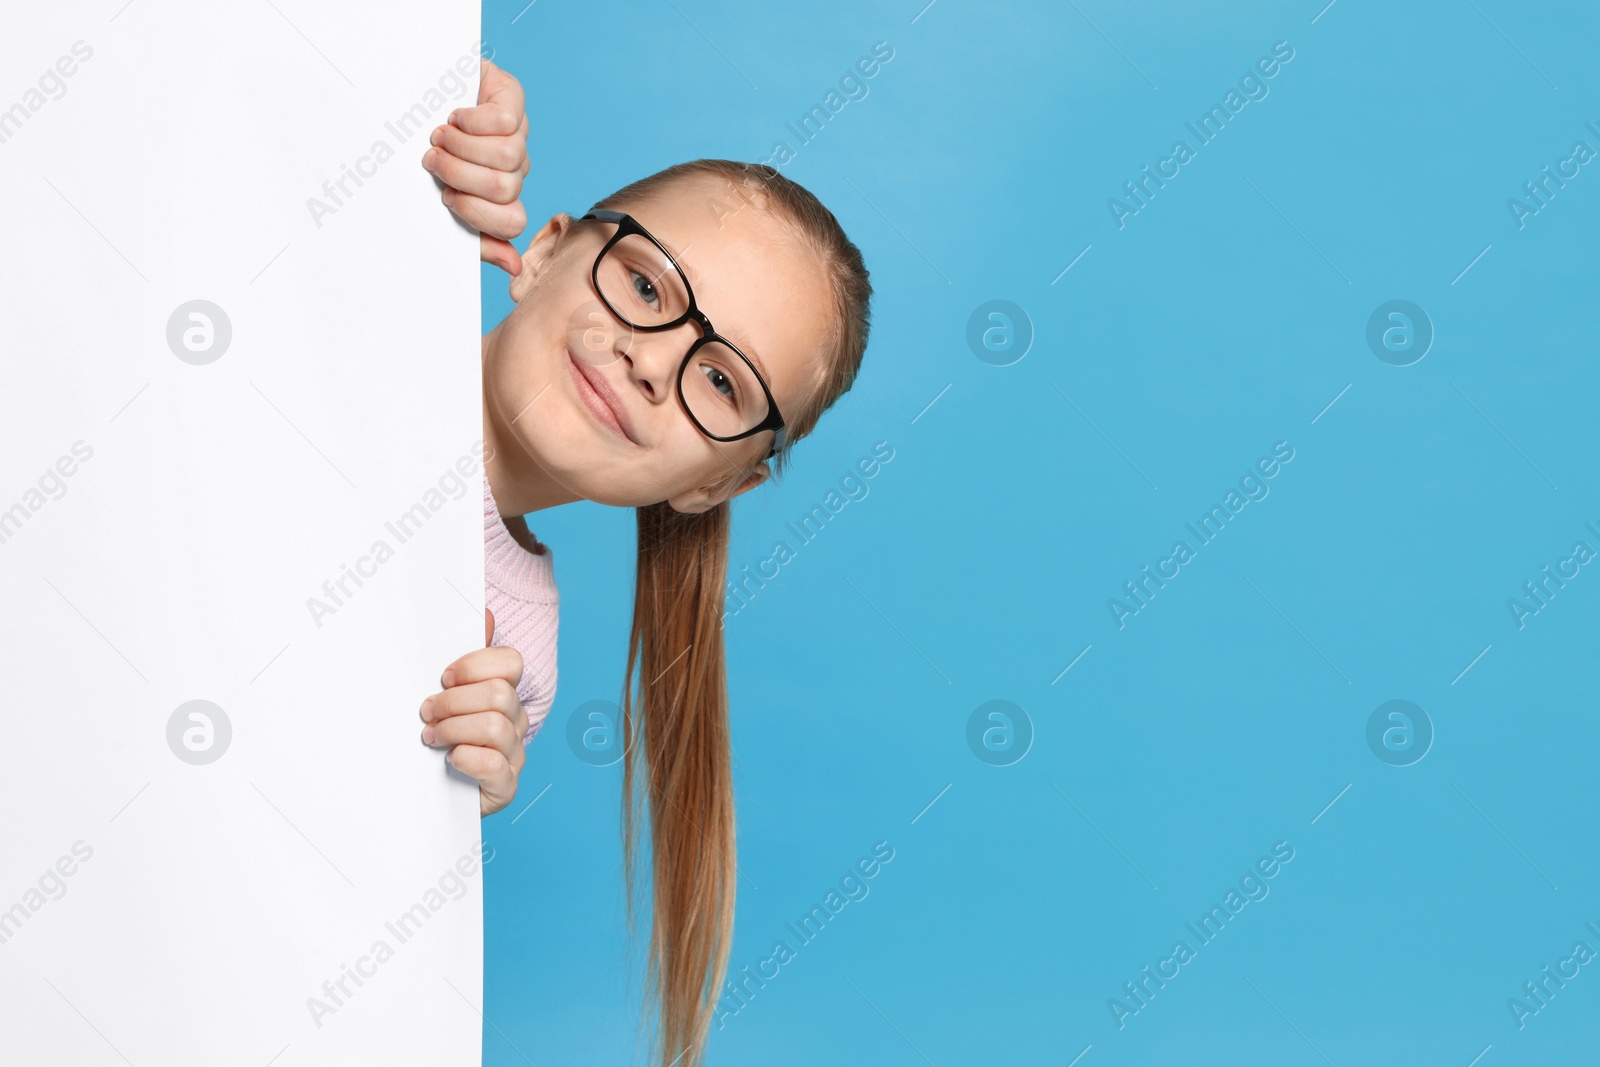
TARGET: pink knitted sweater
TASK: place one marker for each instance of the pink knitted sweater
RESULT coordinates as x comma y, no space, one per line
520,589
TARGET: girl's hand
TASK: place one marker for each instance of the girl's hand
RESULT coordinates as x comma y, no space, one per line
481,155
480,716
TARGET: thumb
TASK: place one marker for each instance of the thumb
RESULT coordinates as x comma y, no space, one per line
486,78
501,253
488,627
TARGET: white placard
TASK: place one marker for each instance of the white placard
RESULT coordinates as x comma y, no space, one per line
239,535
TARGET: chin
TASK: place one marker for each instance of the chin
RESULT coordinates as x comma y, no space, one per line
566,450
609,495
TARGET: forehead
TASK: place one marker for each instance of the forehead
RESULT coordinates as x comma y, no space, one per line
759,283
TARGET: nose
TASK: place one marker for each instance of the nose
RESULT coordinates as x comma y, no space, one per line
655,357
658,355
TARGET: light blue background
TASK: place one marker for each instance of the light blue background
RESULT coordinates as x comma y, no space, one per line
1229,713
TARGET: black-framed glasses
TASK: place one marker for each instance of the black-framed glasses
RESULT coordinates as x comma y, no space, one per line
640,283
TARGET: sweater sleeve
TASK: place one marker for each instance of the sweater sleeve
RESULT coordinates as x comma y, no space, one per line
520,589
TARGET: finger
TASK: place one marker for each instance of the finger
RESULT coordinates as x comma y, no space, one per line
499,186
497,153
493,694
488,626
495,83
504,221
486,729
496,117
487,120
496,661
508,154
500,253
497,781
500,105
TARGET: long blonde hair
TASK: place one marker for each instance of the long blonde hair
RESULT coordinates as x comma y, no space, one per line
679,712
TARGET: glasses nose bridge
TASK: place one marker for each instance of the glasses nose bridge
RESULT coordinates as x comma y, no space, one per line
698,317
700,327
693,317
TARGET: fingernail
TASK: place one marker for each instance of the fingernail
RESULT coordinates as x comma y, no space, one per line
438,135
427,735
427,710
448,679
452,119
427,158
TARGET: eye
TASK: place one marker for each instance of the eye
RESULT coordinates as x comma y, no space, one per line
720,382
645,289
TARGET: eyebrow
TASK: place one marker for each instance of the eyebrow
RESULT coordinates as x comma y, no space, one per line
755,357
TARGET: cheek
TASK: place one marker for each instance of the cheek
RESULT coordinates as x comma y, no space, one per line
520,366
684,459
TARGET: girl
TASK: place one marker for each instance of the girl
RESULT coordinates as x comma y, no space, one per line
663,349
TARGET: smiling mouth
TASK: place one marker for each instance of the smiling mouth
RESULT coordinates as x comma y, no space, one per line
595,402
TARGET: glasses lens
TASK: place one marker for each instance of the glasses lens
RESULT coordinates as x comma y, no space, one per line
640,283
722,391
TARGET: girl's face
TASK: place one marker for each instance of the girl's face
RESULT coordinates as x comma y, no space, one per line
761,288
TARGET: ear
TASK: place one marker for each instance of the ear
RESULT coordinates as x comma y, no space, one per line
538,254
696,501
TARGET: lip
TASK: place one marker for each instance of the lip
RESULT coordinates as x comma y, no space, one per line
601,400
